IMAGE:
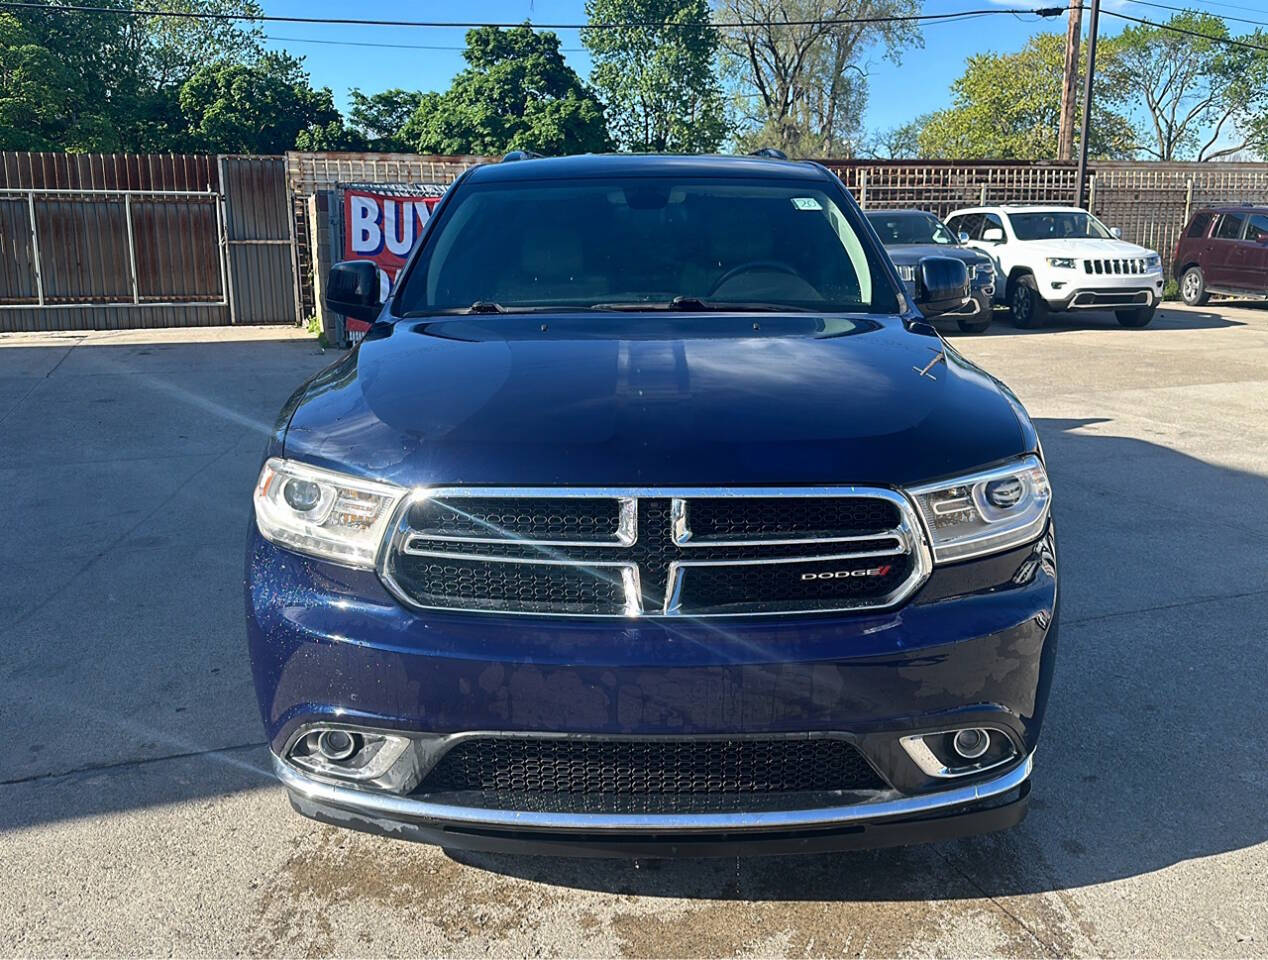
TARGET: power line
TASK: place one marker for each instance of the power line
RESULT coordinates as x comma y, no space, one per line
455,48
390,46
1188,33
472,24
1218,16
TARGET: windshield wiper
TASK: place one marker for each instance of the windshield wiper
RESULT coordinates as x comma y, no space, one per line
697,305
491,306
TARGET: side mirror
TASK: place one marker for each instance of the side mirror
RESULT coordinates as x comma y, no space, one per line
1116,233
963,237
352,289
993,234
942,284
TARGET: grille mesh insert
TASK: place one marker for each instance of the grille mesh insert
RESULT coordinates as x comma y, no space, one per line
493,585
592,767
788,517
539,518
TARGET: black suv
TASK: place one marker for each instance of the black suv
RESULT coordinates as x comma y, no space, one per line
910,236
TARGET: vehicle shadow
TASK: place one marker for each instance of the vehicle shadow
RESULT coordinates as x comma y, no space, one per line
1168,317
1151,753
124,684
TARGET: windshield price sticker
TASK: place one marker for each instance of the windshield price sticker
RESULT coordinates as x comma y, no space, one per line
806,203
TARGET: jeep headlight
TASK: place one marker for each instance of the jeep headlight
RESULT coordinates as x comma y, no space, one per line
985,512
1153,262
906,272
1064,263
323,513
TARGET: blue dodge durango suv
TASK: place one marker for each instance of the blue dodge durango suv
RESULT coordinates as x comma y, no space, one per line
651,518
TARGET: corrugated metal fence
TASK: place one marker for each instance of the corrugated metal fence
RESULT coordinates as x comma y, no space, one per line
110,242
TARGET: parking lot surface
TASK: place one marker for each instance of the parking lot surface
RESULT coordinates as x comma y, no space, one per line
137,815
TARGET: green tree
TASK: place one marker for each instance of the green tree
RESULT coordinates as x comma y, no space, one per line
897,143
1195,97
796,70
334,135
42,105
658,82
381,117
1006,106
123,73
517,93
261,107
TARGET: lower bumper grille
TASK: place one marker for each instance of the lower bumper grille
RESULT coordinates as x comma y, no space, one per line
597,768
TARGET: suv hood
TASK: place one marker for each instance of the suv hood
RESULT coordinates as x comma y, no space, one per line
1082,247
915,252
653,400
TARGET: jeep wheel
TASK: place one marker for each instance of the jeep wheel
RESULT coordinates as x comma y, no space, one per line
1139,317
1029,309
1193,287
975,324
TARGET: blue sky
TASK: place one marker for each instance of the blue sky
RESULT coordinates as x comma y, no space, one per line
898,92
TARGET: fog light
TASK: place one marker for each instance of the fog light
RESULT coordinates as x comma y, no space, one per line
336,745
971,743
373,757
960,751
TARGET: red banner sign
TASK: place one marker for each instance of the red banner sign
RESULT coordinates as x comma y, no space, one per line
383,227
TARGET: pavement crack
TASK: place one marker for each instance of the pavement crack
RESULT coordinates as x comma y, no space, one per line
126,764
1215,598
1051,949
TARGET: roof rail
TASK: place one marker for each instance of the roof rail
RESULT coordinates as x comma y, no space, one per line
521,155
770,153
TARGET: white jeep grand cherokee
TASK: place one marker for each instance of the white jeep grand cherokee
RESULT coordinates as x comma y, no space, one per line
1061,258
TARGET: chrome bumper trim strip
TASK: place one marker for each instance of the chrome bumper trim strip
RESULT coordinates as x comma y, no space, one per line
395,807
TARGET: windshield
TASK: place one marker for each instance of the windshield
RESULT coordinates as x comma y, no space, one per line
897,228
630,243
1057,225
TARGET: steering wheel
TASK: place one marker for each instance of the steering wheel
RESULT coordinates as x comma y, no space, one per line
773,266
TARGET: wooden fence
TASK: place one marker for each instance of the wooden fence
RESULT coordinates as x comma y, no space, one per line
1150,202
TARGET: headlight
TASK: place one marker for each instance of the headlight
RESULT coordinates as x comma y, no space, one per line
985,512
1153,262
1065,263
906,272
322,513
983,271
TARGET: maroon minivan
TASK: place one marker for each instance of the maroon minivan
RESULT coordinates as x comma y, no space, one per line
1223,250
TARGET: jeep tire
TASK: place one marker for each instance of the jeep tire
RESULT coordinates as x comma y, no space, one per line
1139,317
1029,309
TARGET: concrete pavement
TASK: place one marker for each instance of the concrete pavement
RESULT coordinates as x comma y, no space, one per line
137,815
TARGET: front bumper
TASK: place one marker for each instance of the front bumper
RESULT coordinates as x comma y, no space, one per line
1102,292
995,804
981,302
974,646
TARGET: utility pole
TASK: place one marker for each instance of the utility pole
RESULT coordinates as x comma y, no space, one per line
1081,177
1070,83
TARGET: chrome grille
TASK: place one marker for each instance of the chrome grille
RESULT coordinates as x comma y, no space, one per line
654,552
1133,266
